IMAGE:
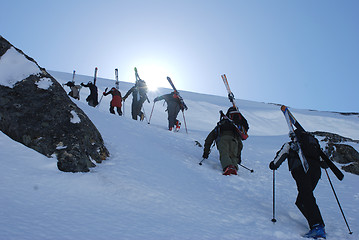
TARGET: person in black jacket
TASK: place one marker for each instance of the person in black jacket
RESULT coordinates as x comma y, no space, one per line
92,99
139,96
306,181
174,105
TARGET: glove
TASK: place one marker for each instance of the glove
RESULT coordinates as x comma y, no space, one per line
156,99
104,93
123,99
205,155
272,166
323,164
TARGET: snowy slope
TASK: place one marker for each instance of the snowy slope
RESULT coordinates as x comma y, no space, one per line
152,187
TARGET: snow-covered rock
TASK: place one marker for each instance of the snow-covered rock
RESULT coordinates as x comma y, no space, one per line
36,111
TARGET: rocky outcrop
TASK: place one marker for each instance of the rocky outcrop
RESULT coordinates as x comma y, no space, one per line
36,111
340,150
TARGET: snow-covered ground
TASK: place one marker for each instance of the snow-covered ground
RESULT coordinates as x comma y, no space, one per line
152,187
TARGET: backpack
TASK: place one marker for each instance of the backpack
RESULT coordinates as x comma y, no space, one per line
237,117
141,84
309,145
225,124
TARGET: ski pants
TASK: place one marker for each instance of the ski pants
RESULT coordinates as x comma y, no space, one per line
306,203
136,108
112,110
229,149
172,111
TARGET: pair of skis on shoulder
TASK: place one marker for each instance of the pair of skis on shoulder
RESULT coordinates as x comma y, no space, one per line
292,122
242,131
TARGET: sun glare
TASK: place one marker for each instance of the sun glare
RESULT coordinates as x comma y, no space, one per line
154,75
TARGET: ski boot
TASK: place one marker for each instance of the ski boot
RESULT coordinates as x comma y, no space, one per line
230,170
178,125
142,116
317,232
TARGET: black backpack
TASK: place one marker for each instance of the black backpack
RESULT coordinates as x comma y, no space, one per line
309,145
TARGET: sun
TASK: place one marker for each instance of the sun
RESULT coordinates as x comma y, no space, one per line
155,75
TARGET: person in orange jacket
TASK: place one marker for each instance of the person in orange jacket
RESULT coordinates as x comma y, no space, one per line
116,100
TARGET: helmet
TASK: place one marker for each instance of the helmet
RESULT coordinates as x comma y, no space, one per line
234,114
89,82
231,112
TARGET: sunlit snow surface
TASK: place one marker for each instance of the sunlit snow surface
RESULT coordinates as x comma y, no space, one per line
152,186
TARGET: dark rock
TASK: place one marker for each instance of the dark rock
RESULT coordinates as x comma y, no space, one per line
345,154
46,120
340,152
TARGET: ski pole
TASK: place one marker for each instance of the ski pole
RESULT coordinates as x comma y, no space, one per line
350,232
149,120
273,219
251,170
101,98
200,163
184,119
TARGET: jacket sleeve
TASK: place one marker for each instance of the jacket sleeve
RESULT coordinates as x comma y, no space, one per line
282,155
128,93
208,142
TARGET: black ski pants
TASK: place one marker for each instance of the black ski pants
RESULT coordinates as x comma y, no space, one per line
173,109
112,110
306,203
136,108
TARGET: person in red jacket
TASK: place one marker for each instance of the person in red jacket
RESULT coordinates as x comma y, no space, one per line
116,100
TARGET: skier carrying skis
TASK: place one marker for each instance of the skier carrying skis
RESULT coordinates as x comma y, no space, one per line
305,181
75,90
228,140
139,96
116,100
174,105
92,99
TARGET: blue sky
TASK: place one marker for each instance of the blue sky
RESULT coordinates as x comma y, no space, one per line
304,54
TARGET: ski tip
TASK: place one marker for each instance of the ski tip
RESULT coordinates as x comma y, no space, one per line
283,108
168,78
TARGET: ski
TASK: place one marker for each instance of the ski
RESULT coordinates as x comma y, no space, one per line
289,120
117,84
175,89
73,76
292,122
231,98
136,75
141,86
172,85
95,76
